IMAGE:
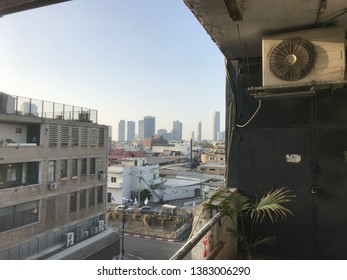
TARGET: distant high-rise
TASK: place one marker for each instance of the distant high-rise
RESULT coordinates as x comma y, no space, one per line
109,138
148,126
215,125
141,130
177,130
221,136
130,131
121,130
161,131
198,136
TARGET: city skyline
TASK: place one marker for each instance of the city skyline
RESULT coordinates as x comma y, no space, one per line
175,130
126,59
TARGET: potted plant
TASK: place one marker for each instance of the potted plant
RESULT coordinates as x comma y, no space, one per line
241,208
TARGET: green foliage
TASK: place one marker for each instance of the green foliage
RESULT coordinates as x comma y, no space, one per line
145,193
240,208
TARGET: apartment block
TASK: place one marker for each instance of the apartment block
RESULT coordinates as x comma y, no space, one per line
53,168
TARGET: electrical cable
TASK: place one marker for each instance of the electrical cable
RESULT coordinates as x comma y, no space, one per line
251,118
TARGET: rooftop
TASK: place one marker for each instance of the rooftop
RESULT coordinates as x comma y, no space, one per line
17,105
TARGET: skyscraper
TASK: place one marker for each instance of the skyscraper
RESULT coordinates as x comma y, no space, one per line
215,125
141,130
148,126
130,131
121,130
198,136
177,130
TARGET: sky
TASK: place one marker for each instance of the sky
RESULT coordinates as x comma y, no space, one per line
126,59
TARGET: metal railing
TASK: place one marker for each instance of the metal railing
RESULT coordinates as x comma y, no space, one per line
45,109
189,245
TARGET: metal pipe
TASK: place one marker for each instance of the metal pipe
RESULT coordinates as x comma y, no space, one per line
186,248
215,251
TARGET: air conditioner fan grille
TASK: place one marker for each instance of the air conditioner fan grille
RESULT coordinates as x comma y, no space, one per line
292,59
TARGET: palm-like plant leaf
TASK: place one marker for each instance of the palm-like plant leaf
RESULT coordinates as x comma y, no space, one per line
238,203
269,240
237,234
270,205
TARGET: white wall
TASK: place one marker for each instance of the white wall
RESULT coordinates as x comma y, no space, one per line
8,131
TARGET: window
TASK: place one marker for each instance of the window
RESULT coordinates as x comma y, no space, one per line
11,173
74,171
83,167
83,199
19,215
101,137
51,208
113,179
64,136
91,197
73,202
63,168
62,199
93,137
75,136
84,136
92,166
53,135
100,194
51,171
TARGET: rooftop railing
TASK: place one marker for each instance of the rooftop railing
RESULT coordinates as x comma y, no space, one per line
11,104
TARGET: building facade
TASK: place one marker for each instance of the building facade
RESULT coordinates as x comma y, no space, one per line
148,126
121,130
198,134
52,178
141,132
130,131
215,125
177,127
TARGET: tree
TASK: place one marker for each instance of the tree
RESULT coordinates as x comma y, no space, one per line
145,193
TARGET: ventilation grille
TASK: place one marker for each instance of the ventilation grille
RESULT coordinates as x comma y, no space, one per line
292,59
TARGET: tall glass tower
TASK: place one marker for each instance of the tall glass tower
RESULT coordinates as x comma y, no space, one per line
215,125
148,126
121,130
198,136
130,131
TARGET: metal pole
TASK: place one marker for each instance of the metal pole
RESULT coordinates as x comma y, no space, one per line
123,220
181,253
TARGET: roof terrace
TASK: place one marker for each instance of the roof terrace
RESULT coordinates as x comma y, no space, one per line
17,105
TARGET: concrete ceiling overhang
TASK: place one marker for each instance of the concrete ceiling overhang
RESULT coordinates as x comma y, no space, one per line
237,26
14,6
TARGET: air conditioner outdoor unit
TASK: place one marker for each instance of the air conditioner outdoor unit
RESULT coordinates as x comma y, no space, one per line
53,186
102,176
69,239
304,57
101,225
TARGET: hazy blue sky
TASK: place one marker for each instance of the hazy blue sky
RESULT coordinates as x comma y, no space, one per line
125,58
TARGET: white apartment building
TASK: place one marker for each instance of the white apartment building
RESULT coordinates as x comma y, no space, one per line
127,180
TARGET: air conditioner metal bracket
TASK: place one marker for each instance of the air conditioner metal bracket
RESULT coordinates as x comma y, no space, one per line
294,90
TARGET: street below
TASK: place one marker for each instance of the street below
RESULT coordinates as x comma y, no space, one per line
137,248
